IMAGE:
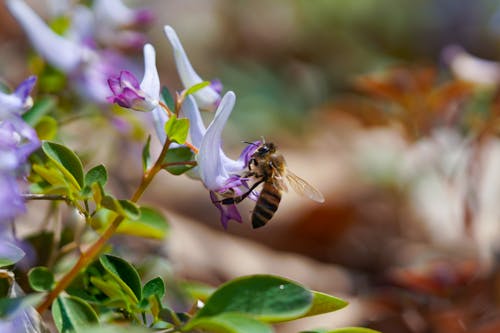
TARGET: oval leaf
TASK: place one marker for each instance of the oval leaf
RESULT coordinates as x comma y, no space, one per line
97,174
344,330
108,328
167,98
146,157
264,297
67,161
197,87
324,303
177,129
230,323
41,279
150,224
124,273
177,156
71,313
125,208
154,287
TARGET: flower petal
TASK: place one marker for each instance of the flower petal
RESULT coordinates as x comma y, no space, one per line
113,12
227,212
17,102
24,89
151,86
212,169
207,98
60,52
196,126
151,81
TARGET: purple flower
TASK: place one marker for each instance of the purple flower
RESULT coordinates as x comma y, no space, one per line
10,200
73,54
227,212
128,94
17,141
19,101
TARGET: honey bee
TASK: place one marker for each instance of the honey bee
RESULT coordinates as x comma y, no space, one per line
269,167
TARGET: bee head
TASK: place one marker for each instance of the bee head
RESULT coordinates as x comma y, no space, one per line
266,148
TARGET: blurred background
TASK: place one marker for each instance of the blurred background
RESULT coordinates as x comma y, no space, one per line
389,108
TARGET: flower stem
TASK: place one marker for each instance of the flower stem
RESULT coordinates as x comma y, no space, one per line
94,250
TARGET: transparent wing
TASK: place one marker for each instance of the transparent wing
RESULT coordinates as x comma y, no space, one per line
302,187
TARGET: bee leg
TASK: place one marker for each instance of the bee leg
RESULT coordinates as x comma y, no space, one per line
252,161
235,200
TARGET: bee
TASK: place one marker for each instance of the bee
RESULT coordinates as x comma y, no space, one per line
269,168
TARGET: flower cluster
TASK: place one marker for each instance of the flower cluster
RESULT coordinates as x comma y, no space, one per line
220,174
17,141
90,50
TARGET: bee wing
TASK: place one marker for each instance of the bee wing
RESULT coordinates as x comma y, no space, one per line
302,187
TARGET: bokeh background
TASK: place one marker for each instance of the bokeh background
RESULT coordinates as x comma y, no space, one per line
366,105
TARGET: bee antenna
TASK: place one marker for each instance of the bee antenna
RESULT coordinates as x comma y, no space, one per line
263,140
249,143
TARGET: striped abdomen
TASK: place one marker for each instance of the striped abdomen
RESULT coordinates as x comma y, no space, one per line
266,205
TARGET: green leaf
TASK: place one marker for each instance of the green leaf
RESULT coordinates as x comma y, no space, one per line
10,305
264,297
150,224
117,296
197,87
97,174
230,323
344,330
52,176
124,273
168,99
41,279
125,208
198,290
46,128
146,157
114,329
155,287
97,193
60,24
66,160
177,129
324,303
130,209
40,108
10,254
179,155
71,314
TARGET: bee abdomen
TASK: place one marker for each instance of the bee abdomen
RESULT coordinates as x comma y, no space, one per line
267,204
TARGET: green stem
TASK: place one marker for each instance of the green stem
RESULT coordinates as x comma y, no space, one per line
94,250
53,197
170,164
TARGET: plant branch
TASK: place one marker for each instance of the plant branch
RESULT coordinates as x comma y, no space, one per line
52,197
94,250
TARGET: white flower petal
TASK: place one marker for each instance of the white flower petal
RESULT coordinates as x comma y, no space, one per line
207,98
60,52
196,126
113,12
151,81
212,169
151,86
